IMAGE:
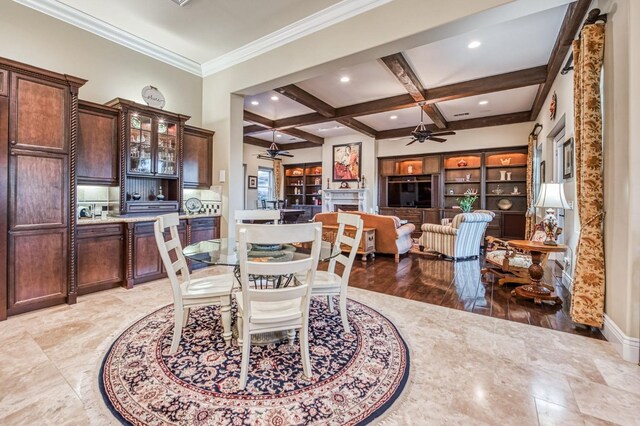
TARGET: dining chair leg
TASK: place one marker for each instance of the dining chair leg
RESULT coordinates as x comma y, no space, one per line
225,314
304,352
291,336
177,330
330,303
246,353
185,319
240,328
343,312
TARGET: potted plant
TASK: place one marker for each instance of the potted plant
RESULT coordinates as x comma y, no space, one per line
466,203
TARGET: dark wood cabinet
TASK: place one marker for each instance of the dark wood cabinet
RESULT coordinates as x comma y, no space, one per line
197,158
98,154
38,122
38,269
202,229
100,257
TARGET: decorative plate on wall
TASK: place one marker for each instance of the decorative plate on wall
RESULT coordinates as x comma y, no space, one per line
153,97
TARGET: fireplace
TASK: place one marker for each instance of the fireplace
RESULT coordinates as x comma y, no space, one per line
345,207
346,199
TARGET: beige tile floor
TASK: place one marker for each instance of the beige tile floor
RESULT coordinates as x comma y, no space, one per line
465,368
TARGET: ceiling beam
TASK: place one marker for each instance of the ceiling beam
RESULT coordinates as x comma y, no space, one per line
494,83
472,123
570,25
253,128
258,119
255,141
310,137
298,145
358,127
401,69
307,99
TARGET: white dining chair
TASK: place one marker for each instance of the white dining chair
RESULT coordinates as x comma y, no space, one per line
329,283
276,309
190,293
242,215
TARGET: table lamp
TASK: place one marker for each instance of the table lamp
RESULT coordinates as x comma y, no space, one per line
551,197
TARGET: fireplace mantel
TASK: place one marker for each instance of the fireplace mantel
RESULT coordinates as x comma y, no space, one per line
347,196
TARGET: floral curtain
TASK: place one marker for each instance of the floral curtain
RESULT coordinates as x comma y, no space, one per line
531,210
277,178
587,301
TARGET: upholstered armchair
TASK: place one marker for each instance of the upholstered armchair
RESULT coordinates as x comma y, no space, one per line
509,264
459,240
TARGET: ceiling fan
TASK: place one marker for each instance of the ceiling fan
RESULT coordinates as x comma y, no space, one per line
421,133
273,152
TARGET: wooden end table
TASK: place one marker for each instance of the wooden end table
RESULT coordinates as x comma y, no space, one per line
367,244
537,290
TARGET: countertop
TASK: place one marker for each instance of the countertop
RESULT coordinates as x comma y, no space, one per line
127,219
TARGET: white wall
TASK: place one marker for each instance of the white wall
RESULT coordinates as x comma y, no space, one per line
112,70
250,156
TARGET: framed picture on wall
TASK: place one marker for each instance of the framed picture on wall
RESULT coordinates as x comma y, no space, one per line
567,159
542,172
347,160
252,182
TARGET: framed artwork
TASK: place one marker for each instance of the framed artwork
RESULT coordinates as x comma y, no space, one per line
542,172
347,159
252,182
567,159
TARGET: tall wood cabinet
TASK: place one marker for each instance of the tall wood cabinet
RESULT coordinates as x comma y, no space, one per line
38,133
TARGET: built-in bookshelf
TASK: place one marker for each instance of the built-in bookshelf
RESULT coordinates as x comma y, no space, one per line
303,184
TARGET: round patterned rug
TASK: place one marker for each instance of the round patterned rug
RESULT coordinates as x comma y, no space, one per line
356,376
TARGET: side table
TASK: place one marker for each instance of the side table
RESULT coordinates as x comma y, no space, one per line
367,245
537,290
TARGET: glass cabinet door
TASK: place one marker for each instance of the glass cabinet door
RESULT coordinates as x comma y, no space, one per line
167,148
140,144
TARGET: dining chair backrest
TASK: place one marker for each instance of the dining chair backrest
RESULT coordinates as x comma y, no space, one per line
344,220
278,234
171,222
242,215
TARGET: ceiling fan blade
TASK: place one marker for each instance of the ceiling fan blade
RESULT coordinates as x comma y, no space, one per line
412,141
447,133
285,154
437,139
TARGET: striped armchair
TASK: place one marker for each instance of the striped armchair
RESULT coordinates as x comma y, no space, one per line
459,240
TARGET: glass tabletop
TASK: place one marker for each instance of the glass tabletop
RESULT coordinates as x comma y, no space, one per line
223,251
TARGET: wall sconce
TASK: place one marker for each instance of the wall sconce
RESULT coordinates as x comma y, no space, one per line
537,128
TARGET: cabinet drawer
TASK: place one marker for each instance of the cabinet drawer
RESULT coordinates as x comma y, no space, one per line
205,222
167,206
87,231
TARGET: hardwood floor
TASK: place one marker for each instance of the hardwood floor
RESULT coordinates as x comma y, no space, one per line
459,286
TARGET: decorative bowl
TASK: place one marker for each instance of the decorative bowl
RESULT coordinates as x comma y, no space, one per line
505,161
504,204
136,196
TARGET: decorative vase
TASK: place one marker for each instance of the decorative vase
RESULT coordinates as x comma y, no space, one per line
462,163
136,196
410,169
328,183
160,196
508,175
503,175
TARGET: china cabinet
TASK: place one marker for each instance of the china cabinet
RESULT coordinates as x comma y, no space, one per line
151,154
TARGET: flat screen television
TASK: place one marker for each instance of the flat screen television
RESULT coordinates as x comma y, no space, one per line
409,192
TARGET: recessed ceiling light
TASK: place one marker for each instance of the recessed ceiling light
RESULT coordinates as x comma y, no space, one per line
344,79
274,98
255,103
474,44
278,136
393,117
483,102
338,127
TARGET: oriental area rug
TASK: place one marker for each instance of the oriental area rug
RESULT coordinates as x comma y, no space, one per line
356,376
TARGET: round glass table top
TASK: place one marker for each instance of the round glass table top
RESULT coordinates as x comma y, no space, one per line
223,251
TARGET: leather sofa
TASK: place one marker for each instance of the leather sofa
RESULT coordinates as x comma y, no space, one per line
391,236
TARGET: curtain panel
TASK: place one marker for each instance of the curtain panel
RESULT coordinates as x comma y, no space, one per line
587,301
531,210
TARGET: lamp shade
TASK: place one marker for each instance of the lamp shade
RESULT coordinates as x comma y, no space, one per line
552,196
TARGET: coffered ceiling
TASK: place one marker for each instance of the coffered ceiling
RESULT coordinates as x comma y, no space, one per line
496,75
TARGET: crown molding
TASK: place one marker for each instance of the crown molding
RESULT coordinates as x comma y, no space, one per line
86,22
325,18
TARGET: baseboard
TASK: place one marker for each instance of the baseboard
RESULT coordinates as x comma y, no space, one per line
627,347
